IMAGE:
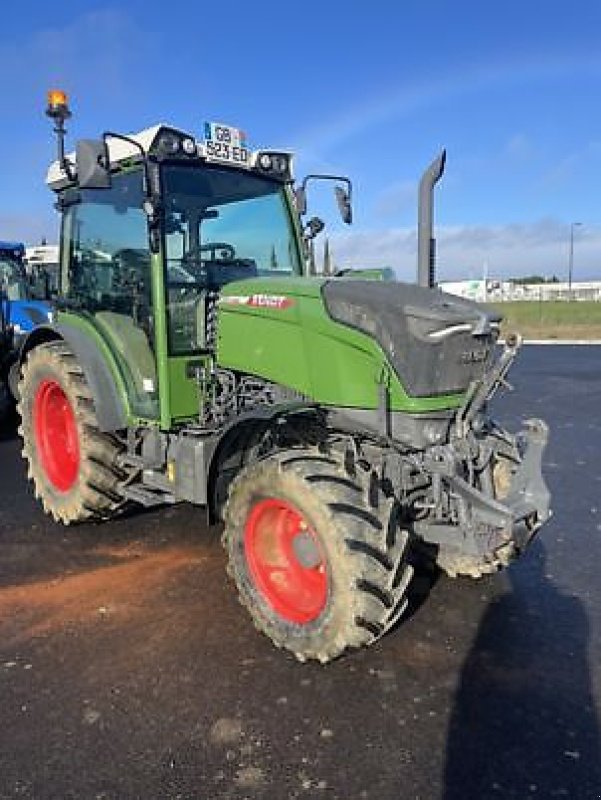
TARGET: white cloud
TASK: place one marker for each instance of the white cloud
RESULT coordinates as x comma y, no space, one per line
466,251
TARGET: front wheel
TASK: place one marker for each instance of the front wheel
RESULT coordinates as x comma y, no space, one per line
317,555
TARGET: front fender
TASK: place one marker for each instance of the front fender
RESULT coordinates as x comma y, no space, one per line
236,445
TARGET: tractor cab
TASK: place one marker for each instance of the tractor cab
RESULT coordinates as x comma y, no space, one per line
153,226
13,278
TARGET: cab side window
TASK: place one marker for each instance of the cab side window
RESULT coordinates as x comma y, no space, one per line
106,272
109,261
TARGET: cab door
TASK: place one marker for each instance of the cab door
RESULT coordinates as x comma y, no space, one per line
106,280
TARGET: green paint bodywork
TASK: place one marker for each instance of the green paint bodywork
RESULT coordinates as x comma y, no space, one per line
300,346
130,359
86,326
159,304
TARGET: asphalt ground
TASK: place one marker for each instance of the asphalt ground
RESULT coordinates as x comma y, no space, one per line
129,670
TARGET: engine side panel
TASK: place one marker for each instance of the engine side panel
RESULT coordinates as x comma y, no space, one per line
280,330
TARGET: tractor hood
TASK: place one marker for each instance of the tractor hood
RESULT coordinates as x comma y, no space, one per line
437,343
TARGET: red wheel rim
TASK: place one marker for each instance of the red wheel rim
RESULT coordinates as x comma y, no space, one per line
56,435
286,560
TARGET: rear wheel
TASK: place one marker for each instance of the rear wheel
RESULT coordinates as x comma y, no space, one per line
317,554
71,462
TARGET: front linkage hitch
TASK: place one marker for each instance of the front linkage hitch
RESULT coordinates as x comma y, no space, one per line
488,496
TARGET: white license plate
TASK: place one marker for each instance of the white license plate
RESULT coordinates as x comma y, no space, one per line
226,144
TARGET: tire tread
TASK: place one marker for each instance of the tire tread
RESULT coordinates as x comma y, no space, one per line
95,495
374,548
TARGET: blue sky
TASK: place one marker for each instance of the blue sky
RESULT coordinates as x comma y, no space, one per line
373,90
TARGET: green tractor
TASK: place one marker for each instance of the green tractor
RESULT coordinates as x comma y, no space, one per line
338,427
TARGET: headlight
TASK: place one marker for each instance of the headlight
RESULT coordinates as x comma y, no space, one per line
189,147
274,162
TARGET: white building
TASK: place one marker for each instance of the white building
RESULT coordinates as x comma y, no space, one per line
497,291
470,290
41,255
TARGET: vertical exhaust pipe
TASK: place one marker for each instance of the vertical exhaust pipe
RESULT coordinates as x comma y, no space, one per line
426,244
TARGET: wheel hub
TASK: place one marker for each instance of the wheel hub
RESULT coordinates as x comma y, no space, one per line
56,436
286,560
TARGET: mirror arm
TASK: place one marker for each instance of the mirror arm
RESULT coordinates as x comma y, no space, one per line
324,177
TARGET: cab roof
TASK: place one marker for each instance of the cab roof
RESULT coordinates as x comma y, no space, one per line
118,151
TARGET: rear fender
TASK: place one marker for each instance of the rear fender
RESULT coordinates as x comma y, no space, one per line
110,408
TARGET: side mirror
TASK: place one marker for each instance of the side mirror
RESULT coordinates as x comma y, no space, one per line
343,199
92,163
300,196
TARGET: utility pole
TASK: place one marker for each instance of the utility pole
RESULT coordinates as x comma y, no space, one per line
327,263
312,268
571,257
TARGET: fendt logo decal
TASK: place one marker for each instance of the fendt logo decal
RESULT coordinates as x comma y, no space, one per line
473,356
277,301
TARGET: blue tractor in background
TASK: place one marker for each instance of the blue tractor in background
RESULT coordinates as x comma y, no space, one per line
21,310
25,302
7,351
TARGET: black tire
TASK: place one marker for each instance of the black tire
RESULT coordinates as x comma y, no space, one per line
92,492
6,400
364,550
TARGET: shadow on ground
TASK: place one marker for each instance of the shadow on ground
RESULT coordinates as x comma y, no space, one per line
8,427
524,723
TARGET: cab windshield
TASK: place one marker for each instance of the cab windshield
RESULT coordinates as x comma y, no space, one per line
223,224
13,283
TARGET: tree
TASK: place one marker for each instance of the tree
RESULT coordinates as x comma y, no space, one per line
273,260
